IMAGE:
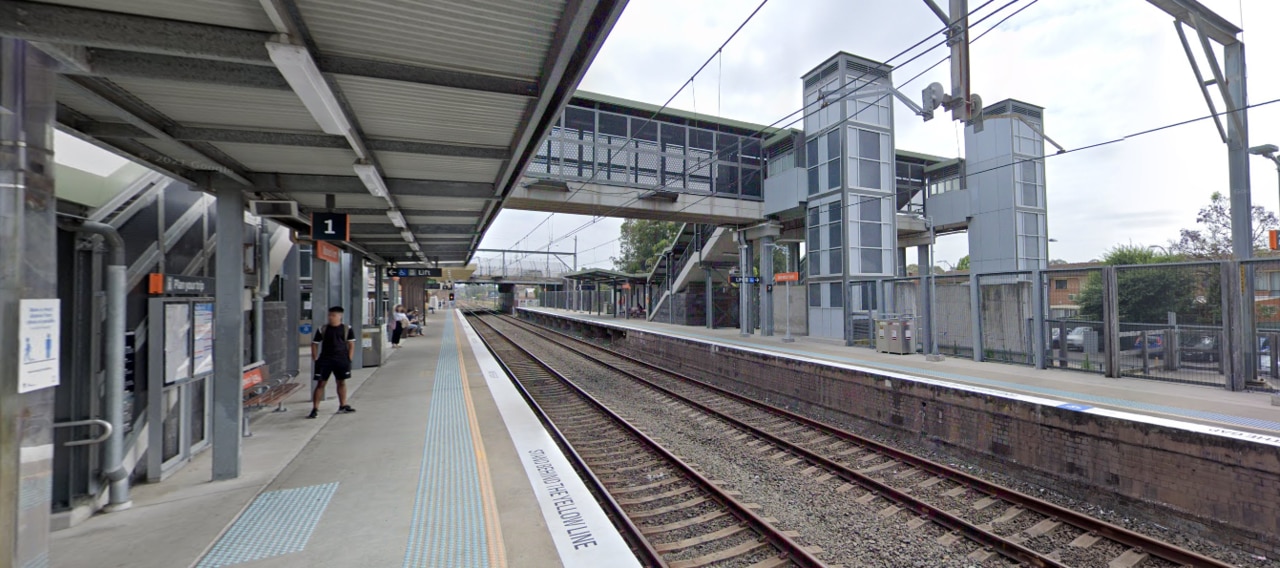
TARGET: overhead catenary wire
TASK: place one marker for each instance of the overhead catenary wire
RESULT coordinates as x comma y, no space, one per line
717,53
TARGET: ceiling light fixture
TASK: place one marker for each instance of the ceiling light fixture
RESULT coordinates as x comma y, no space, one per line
300,71
396,218
372,180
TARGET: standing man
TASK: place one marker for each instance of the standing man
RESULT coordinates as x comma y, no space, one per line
331,351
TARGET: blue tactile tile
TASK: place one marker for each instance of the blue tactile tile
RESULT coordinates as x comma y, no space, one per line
276,523
448,516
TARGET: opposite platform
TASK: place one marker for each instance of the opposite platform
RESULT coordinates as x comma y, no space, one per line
442,465
1200,408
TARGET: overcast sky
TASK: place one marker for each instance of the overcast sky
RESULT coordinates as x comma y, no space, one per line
1101,68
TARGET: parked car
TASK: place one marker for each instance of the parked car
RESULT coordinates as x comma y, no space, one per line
1055,342
1205,348
1075,339
1155,345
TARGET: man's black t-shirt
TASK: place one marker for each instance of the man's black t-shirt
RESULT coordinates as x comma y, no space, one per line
333,348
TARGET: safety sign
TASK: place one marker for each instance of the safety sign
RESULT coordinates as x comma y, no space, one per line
38,344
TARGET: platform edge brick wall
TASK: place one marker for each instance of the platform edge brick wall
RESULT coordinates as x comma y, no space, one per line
1210,485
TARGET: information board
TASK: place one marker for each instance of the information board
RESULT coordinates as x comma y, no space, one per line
202,347
330,227
177,342
38,343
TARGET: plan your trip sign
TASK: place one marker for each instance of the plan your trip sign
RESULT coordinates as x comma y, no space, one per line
408,272
178,285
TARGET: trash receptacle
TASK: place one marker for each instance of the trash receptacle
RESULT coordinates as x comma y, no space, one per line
371,340
882,335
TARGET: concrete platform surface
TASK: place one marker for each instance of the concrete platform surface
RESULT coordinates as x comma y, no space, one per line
425,473
1249,412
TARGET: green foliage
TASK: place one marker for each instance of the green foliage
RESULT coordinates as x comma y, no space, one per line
1148,294
963,263
642,242
1212,240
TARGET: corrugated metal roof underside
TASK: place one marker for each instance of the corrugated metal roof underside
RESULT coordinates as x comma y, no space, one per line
416,219
508,38
448,168
292,159
393,109
246,14
222,105
362,200
71,97
440,203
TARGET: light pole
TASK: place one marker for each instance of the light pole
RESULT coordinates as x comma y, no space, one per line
1268,151
1162,249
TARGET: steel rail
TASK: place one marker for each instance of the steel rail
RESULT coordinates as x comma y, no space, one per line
1150,545
785,544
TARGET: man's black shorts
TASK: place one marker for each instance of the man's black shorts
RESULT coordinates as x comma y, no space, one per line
341,370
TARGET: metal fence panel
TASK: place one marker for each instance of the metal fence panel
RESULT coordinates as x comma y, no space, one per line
1263,287
1006,317
1171,324
1074,340
953,310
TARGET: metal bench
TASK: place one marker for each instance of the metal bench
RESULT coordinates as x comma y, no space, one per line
261,393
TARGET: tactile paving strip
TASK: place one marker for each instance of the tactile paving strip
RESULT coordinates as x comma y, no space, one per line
276,523
448,517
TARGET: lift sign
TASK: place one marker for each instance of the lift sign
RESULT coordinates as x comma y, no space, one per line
38,344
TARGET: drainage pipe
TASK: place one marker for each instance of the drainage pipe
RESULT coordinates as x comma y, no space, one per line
113,400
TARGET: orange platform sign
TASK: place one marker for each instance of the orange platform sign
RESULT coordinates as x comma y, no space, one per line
786,277
328,252
252,378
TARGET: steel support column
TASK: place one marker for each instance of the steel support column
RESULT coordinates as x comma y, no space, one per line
355,316
744,289
1037,317
1241,207
975,314
710,299
291,291
766,281
28,270
228,335
925,289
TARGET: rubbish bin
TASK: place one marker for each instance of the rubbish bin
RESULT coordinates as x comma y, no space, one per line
882,335
371,342
900,336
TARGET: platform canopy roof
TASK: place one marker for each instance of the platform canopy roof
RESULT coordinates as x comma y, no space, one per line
600,275
429,108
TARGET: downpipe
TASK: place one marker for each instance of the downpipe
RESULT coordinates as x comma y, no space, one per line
260,294
113,401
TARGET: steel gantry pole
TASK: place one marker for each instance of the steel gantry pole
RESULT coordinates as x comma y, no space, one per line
28,308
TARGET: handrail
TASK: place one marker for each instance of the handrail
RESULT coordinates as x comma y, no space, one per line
106,431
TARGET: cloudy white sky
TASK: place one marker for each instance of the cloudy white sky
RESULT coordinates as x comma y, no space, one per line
1101,68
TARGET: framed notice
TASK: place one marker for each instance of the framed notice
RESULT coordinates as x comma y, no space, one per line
177,342
202,333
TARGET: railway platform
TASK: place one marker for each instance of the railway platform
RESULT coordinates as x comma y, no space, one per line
1193,404
442,465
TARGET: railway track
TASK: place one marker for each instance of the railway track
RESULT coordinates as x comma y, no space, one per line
1003,522
672,515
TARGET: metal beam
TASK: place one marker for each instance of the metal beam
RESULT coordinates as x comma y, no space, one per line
241,136
359,229
1200,82
406,212
311,184
195,42
579,36
134,114
528,252
1213,25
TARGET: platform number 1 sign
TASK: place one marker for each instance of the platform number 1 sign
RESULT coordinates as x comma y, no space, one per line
330,227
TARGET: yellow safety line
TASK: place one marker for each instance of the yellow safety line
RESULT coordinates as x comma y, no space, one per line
497,549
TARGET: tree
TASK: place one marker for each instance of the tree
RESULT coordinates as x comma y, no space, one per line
642,242
963,263
1212,240
1148,294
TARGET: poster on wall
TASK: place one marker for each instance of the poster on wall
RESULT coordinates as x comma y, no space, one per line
38,342
202,353
177,342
